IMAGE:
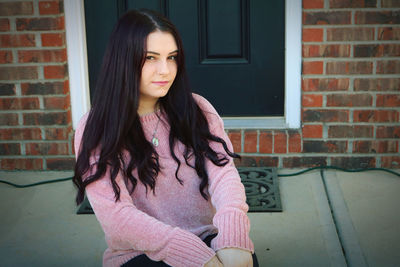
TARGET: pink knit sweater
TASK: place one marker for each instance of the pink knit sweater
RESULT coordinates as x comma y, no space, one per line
169,225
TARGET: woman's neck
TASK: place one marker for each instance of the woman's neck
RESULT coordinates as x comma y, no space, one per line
147,107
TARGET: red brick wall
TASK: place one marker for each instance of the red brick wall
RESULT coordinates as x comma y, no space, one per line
350,91
35,118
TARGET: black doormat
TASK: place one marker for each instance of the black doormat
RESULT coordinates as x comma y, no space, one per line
261,185
262,189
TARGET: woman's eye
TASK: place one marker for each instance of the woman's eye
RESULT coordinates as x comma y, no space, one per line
173,57
149,57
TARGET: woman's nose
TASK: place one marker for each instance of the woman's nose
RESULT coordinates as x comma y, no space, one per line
163,67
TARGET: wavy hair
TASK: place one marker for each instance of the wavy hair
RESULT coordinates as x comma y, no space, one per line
113,124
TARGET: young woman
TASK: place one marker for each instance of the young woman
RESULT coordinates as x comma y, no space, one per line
154,160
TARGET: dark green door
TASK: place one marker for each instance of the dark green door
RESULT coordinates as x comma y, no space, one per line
234,48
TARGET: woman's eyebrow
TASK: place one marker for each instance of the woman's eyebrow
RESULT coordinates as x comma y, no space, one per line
155,53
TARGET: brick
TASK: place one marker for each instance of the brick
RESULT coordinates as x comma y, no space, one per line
331,18
55,72
294,141
50,7
304,162
7,89
63,134
17,40
19,103
325,115
21,164
10,149
73,146
349,100
375,146
4,25
389,33
40,24
250,142
377,17
18,73
263,161
46,148
53,39
66,86
391,50
390,3
388,101
250,161
326,50
313,67
376,116
358,67
265,140
312,35
26,56
49,88
6,57
236,139
245,161
280,142
351,3
54,118
390,162
16,8
311,100
388,132
9,119
383,50
344,131
62,102
388,67
60,164
368,50
308,4
312,131
353,162
312,146
380,84
325,84
350,34
21,134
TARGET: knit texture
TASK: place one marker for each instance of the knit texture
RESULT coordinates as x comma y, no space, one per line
170,223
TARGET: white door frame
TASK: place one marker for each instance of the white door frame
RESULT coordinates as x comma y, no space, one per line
79,78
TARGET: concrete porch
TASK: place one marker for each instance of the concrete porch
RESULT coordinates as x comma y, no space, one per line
39,225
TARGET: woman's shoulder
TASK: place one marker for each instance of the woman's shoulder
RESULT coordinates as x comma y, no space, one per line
209,111
79,130
204,104
82,122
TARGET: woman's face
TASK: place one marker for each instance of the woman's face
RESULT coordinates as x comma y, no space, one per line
160,66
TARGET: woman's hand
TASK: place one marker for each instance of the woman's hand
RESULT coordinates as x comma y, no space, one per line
235,257
214,262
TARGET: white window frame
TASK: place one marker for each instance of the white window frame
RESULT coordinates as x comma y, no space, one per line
79,77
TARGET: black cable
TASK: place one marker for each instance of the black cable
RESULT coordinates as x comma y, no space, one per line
38,183
279,175
340,169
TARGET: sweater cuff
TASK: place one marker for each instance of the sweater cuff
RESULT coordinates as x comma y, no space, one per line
233,231
186,249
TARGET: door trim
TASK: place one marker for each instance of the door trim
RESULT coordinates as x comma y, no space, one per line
79,82
293,23
78,74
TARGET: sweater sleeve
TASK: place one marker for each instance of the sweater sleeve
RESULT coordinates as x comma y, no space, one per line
226,190
126,227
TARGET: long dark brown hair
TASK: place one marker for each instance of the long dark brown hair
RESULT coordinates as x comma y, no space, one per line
113,124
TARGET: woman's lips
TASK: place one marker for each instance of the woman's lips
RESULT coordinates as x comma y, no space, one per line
161,83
